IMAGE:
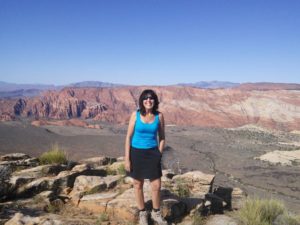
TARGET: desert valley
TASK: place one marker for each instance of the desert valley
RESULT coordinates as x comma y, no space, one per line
248,135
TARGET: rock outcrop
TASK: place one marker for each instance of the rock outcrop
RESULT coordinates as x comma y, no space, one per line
98,186
274,108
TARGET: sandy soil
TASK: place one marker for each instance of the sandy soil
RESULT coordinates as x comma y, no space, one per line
229,153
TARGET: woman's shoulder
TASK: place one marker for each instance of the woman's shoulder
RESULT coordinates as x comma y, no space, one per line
160,115
133,115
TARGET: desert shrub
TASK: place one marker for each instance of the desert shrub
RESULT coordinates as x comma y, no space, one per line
168,185
102,218
121,170
182,189
110,172
54,156
260,211
114,171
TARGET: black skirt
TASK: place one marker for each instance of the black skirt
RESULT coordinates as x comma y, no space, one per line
145,163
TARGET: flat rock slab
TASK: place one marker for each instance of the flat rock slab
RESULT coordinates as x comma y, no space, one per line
97,203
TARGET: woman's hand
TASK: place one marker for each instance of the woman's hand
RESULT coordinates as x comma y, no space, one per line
127,165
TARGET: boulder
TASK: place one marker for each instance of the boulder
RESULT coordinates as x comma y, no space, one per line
168,174
47,196
112,181
98,161
14,157
173,208
21,219
37,186
96,203
42,170
5,173
81,167
67,178
116,168
226,194
237,198
197,182
31,162
214,203
86,184
123,207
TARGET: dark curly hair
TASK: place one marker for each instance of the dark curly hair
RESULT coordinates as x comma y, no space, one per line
148,92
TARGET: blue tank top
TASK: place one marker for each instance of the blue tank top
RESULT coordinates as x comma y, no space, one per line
145,134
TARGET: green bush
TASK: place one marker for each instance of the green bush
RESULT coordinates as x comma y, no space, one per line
265,212
54,156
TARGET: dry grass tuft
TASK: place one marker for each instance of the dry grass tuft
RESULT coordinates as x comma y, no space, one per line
54,156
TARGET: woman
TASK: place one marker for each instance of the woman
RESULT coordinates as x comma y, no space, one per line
143,153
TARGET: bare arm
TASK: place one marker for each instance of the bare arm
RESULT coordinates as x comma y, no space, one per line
161,133
128,140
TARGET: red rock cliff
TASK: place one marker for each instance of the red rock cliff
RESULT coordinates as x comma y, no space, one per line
279,109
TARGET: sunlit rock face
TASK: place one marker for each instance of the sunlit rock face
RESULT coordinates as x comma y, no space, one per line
265,105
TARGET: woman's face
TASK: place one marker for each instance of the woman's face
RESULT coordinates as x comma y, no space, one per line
148,101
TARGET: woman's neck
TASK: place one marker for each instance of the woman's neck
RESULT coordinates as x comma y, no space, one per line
148,112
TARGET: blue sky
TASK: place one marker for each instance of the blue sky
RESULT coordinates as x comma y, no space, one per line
149,41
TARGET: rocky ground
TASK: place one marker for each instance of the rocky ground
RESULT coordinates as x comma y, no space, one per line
97,191
231,154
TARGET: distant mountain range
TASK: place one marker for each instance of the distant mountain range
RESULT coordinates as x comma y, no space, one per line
94,84
11,90
6,87
211,84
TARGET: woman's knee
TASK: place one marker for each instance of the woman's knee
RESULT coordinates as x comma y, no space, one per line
156,185
138,184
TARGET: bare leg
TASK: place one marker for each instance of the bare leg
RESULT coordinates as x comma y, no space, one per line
139,194
155,191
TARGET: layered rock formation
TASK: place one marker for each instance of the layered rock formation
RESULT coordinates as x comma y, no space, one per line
277,109
59,194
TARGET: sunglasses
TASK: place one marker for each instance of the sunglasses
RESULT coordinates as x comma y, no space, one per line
148,96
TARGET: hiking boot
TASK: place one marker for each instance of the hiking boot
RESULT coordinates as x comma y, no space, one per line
157,217
143,218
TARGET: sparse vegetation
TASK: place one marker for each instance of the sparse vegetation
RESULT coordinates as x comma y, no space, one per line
265,212
114,171
102,218
121,170
198,219
37,199
52,208
182,189
54,156
93,190
110,172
